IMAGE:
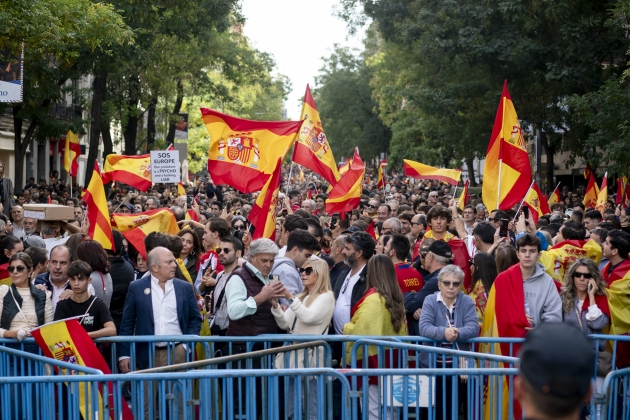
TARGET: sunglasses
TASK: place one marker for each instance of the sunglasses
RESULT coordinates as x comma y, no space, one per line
18,268
585,275
371,206
308,270
240,227
224,250
455,284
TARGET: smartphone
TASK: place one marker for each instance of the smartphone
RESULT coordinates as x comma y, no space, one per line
274,278
590,287
503,228
525,211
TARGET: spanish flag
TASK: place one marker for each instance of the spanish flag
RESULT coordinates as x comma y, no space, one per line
301,174
130,170
312,149
5,277
504,317
420,171
345,167
71,153
380,182
135,227
554,197
97,213
622,183
346,195
507,172
559,258
602,197
536,202
618,281
244,153
67,341
461,202
263,214
181,190
592,192
587,171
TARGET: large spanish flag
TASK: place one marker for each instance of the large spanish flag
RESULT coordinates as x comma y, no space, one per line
346,195
461,202
380,181
312,149
135,227
507,172
67,341
263,214
560,257
618,282
130,170
244,153
345,167
71,153
602,197
5,277
592,191
535,200
420,171
504,317
97,213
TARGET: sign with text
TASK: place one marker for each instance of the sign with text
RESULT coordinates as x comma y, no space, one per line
165,166
11,76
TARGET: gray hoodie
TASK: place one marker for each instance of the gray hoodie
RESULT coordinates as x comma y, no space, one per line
542,296
285,268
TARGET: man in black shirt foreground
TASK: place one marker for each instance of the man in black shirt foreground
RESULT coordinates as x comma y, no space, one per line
96,319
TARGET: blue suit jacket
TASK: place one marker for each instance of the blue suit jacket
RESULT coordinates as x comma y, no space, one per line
138,315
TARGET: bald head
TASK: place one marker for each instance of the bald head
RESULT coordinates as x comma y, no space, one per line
162,264
392,225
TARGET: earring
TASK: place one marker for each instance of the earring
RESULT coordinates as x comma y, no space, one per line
192,252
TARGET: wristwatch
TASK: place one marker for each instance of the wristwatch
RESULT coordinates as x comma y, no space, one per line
291,301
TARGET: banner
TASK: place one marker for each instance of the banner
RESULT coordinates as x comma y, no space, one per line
11,76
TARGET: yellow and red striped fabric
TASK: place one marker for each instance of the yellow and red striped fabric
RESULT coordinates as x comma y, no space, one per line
243,153
554,197
380,183
461,202
5,278
418,170
130,170
71,153
135,227
618,281
346,195
602,197
536,202
263,214
97,212
592,191
622,183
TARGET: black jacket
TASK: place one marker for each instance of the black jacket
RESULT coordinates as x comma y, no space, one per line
123,274
414,300
357,291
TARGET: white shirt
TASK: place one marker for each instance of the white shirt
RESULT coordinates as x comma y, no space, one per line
53,242
341,316
282,252
164,309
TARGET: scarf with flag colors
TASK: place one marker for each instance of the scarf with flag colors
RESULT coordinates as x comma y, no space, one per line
131,170
622,184
136,226
461,202
71,153
100,228
418,170
507,171
618,281
504,317
244,153
535,200
67,341
602,197
380,184
5,277
560,257
592,191
311,148
346,194
263,214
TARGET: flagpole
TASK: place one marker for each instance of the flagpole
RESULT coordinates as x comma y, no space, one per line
523,200
554,190
289,181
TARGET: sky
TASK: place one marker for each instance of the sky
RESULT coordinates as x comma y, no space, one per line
298,33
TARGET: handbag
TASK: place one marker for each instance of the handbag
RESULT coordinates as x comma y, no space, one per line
604,359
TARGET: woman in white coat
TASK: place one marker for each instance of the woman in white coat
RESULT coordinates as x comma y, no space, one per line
309,312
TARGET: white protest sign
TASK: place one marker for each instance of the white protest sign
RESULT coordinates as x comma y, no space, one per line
165,166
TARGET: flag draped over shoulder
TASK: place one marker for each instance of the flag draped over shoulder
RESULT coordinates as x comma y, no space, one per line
420,171
312,149
618,282
560,257
67,341
97,212
243,153
592,191
346,195
380,181
71,153
136,226
461,202
602,197
263,214
535,200
130,170
622,183
507,172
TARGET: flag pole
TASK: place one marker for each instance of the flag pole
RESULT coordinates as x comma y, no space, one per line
554,190
289,181
523,200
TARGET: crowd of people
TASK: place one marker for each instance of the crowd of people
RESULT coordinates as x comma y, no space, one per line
407,261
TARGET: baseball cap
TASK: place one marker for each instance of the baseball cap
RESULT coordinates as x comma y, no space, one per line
352,229
441,249
34,240
565,374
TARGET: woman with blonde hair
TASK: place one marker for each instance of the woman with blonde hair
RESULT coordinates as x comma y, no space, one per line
309,312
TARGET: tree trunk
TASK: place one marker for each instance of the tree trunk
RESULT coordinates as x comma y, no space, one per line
21,144
151,124
98,96
130,131
550,152
170,138
470,165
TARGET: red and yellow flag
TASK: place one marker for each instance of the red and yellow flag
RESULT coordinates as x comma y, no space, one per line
420,171
535,200
592,192
560,257
461,202
345,167
97,213
587,171
622,184
507,172
554,197
71,153
181,190
380,182
618,282
263,214
312,149
244,153
130,170
602,197
67,341
135,227
346,195
5,277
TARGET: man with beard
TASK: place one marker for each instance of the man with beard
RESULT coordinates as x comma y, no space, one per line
214,231
230,250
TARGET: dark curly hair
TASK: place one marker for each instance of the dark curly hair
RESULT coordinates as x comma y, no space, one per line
439,211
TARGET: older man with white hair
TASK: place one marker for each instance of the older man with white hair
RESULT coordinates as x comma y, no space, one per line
308,206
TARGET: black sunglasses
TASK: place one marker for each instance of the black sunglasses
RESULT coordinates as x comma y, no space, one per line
308,270
241,227
371,206
455,284
224,250
18,268
585,275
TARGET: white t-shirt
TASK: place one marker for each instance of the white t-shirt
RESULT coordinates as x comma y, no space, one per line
341,316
